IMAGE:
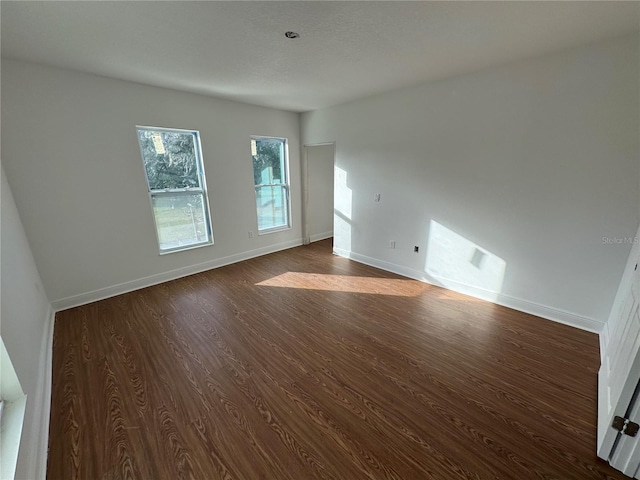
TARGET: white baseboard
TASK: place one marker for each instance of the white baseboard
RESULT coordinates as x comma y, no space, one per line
550,313
544,311
119,289
321,236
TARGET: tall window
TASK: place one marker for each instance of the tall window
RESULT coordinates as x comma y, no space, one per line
177,188
271,180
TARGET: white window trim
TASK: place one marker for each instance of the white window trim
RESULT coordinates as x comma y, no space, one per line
189,190
15,402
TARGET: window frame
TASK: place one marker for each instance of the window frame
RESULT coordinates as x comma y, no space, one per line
13,415
172,192
286,185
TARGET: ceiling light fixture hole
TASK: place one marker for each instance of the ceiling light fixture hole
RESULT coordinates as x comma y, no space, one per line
291,34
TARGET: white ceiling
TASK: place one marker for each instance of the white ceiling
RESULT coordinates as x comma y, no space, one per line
346,50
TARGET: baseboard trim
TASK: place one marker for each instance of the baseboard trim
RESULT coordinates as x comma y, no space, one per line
320,236
119,289
526,306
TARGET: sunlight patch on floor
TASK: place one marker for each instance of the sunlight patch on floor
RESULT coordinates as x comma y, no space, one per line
346,283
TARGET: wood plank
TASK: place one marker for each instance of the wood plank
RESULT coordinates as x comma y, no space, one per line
303,365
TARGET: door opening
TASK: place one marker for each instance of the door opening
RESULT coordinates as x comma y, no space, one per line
318,180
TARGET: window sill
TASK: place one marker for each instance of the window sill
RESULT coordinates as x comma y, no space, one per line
187,247
273,230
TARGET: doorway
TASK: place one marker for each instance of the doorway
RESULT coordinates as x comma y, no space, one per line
318,188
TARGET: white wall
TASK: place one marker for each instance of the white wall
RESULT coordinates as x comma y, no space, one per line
532,163
319,164
71,155
26,331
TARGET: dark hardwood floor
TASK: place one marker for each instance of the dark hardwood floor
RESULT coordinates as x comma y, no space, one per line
303,365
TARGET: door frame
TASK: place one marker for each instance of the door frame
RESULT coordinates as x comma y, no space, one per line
306,235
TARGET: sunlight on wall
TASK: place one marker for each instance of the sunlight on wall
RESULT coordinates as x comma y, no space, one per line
342,211
458,263
346,283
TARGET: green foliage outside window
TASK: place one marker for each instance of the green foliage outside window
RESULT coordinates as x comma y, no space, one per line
270,153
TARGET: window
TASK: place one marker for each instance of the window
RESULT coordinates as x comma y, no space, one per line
271,180
177,188
14,403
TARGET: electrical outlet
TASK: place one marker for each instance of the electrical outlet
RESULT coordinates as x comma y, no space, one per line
250,234
416,249
376,197
392,244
